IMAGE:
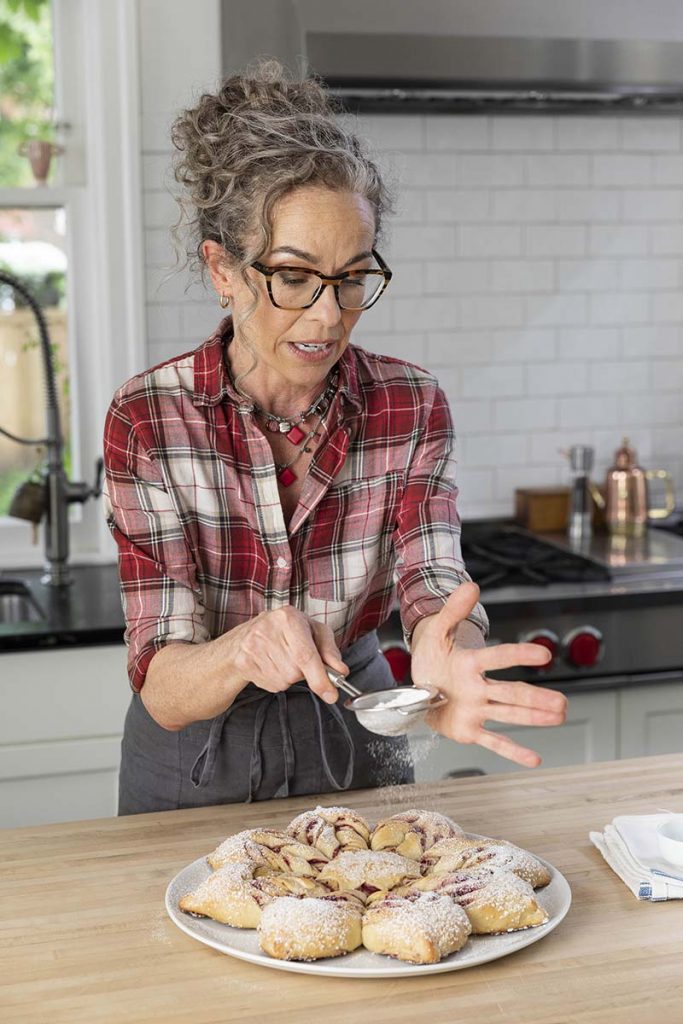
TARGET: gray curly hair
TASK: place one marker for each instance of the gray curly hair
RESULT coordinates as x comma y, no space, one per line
261,135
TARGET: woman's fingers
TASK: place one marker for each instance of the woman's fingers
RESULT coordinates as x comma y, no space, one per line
510,655
505,747
526,695
522,715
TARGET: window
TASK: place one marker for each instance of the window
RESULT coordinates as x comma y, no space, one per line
70,230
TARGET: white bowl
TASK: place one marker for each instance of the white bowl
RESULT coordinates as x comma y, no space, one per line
670,837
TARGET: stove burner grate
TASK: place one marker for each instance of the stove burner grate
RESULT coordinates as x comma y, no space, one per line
505,556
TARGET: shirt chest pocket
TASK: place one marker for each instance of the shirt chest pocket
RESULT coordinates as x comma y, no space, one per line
351,536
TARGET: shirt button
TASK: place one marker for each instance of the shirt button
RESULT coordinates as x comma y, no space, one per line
282,563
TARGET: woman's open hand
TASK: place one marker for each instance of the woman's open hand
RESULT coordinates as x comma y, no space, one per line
460,673
277,648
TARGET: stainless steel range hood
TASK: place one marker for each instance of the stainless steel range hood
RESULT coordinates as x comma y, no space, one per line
472,56
400,73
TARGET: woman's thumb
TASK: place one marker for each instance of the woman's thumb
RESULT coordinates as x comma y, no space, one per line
459,605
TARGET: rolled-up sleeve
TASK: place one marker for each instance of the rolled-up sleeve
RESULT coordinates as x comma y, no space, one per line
162,601
429,563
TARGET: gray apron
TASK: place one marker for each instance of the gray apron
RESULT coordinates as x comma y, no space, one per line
265,745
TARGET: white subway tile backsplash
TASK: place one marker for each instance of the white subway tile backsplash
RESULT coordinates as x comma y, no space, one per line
650,410
668,170
457,133
589,411
651,340
538,273
619,307
490,240
557,169
556,309
458,348
522,275
522,134
667,375
163,322
556,239
556,378
478,311
586,204
646,204
587,133
524,344
618,240
459,205
507,480
424,241
470,415
160,209
410,346
493,381
651,133
651,273
523,205
495,449
459,277
526,414
431,313
667,239
489,170
588,343
667,307
587,275
622,169
384,132
620,378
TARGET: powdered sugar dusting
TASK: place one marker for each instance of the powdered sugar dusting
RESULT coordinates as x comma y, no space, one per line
301,927
440,920
369,867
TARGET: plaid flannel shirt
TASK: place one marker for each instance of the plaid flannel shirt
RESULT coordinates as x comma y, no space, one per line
191,499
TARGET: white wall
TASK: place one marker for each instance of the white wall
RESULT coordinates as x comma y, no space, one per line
538,261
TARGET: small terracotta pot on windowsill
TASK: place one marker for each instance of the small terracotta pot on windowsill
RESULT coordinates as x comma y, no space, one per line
39,153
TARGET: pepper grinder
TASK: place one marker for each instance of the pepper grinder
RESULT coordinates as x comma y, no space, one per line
580,510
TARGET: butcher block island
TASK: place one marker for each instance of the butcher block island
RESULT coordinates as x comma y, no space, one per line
86,937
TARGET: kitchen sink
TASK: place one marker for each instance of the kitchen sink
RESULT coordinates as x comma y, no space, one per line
17,603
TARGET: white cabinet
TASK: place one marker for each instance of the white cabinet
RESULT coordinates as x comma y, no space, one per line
651,720
60,733
589,734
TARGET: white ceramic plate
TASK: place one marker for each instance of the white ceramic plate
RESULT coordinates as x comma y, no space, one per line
242,943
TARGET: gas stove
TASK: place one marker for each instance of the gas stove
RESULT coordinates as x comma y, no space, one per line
610,611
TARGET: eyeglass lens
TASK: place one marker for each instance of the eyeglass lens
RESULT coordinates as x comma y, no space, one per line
295,289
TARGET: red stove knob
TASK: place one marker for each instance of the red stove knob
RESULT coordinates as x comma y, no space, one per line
399,661
544,638
583,646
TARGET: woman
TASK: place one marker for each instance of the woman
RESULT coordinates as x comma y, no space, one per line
266,488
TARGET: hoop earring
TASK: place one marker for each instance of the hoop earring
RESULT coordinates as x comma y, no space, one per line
224,301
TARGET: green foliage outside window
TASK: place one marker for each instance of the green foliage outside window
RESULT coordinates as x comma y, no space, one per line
26,84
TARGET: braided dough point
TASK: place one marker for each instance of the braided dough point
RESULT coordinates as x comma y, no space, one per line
332,830
368,871
463,854
269,850
234,895
292,929
494,901
411,833
421,928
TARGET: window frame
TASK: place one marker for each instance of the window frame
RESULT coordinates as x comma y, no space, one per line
99,183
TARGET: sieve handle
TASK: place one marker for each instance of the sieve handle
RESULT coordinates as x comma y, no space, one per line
341,683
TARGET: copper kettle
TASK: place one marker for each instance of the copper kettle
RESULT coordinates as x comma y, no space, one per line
626,494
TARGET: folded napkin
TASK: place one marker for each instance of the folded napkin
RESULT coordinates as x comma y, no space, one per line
630,847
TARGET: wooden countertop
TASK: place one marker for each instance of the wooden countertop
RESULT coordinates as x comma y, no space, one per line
85,936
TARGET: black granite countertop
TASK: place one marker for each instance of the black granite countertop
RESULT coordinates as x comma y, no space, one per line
87,612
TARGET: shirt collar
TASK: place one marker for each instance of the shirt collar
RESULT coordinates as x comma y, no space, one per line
212,383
